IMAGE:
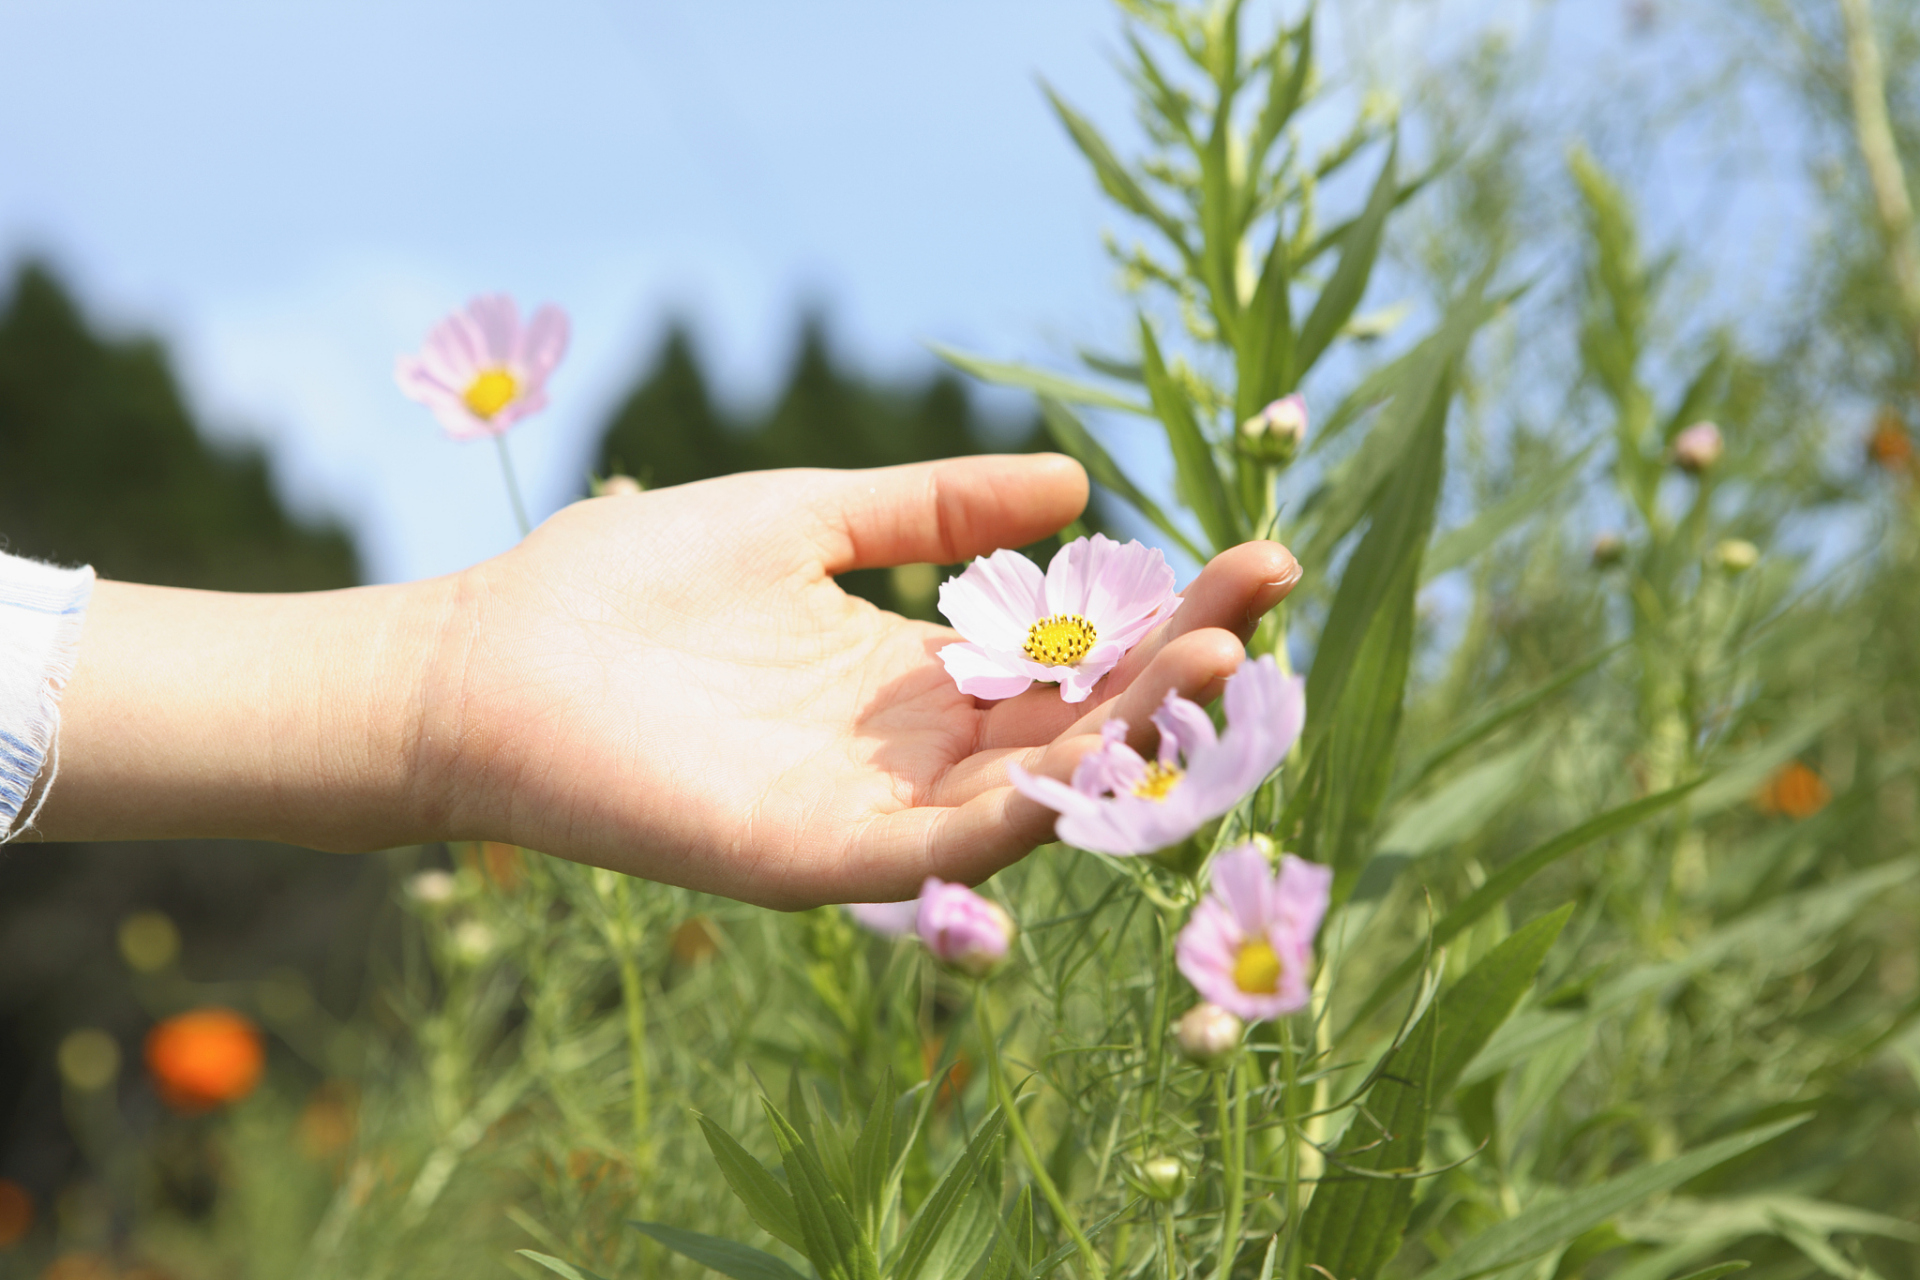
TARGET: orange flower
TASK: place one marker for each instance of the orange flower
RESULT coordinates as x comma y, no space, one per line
1889,446
16,1213
694,939
1794,791
202,1059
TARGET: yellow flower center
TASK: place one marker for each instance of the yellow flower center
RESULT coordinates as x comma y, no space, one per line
491,392
1159,780
1060,640
1256,970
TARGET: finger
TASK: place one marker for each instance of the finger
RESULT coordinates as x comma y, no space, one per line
941,512
1195,666
1233,592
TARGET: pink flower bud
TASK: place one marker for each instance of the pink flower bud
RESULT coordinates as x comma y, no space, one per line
1698,448
963,929
1207,1033
1276,433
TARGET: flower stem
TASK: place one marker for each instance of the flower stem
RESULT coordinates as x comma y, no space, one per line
513,486
1004,1096
1233,1151
1291,1103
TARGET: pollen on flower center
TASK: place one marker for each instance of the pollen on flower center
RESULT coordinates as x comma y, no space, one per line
1256,970
1159,780
1060,640
491,392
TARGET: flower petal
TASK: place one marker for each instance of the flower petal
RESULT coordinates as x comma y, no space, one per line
1185,729
543,344
1243,883
981,673
894,919
996,600
1302,894
496,320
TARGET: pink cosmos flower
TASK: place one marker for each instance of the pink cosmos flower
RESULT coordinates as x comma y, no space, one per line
481,370
1248,947
1070,626
1121,804
963,929
960,927
893,919
1698,447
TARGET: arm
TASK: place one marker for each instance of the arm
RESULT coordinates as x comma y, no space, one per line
666,683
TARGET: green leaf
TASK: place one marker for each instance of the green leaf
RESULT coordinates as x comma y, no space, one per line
1385,565
1781,928
873,1158
1499,717
939,1207
1114,178
1349,281
559,1268
1041,382
1510,877
1196,475
1545,1225
1456,547
715,1254
1078,443
827,1225
1264,341
1353,1223
1717,1270
1474,1007
1284,91
766,1200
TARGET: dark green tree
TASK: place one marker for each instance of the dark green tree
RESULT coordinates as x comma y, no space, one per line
670,431
100,464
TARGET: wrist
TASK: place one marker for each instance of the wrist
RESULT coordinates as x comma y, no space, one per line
283,717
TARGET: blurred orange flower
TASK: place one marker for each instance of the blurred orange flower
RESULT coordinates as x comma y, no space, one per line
202,1059
694,939
1794,791
16,1213
327,1121
1889,446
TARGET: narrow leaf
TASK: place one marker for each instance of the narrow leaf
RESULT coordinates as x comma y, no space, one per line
939,1207
1473,1009
1196,474
1456,547
1078,443
559,1268
1541,1227
826,1224
1349,281
1510,877
1114,178
768,1203
1041,382
1353,1224
715,1254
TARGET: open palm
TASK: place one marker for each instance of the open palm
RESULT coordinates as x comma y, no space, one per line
672,684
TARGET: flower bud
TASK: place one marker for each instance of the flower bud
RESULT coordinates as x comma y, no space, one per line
1207,1034
1736,555
1698,447
1275,433
962,929
1609,549
616,486
431,888
473,941
1163,1178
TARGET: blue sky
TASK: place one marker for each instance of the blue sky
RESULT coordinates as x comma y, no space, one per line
291,193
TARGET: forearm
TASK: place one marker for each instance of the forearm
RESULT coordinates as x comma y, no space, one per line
284,717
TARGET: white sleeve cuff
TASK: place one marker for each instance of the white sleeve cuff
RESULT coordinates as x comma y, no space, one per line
40,612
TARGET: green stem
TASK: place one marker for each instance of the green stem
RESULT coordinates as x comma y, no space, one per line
1173,1249
1291,1102
642,1099
1233,1152
1004,1096
513,486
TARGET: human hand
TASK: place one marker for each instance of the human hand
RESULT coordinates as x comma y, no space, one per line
671,683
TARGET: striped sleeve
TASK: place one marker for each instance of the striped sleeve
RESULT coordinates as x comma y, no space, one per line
40,611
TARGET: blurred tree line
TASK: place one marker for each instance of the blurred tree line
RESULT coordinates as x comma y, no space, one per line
102,462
